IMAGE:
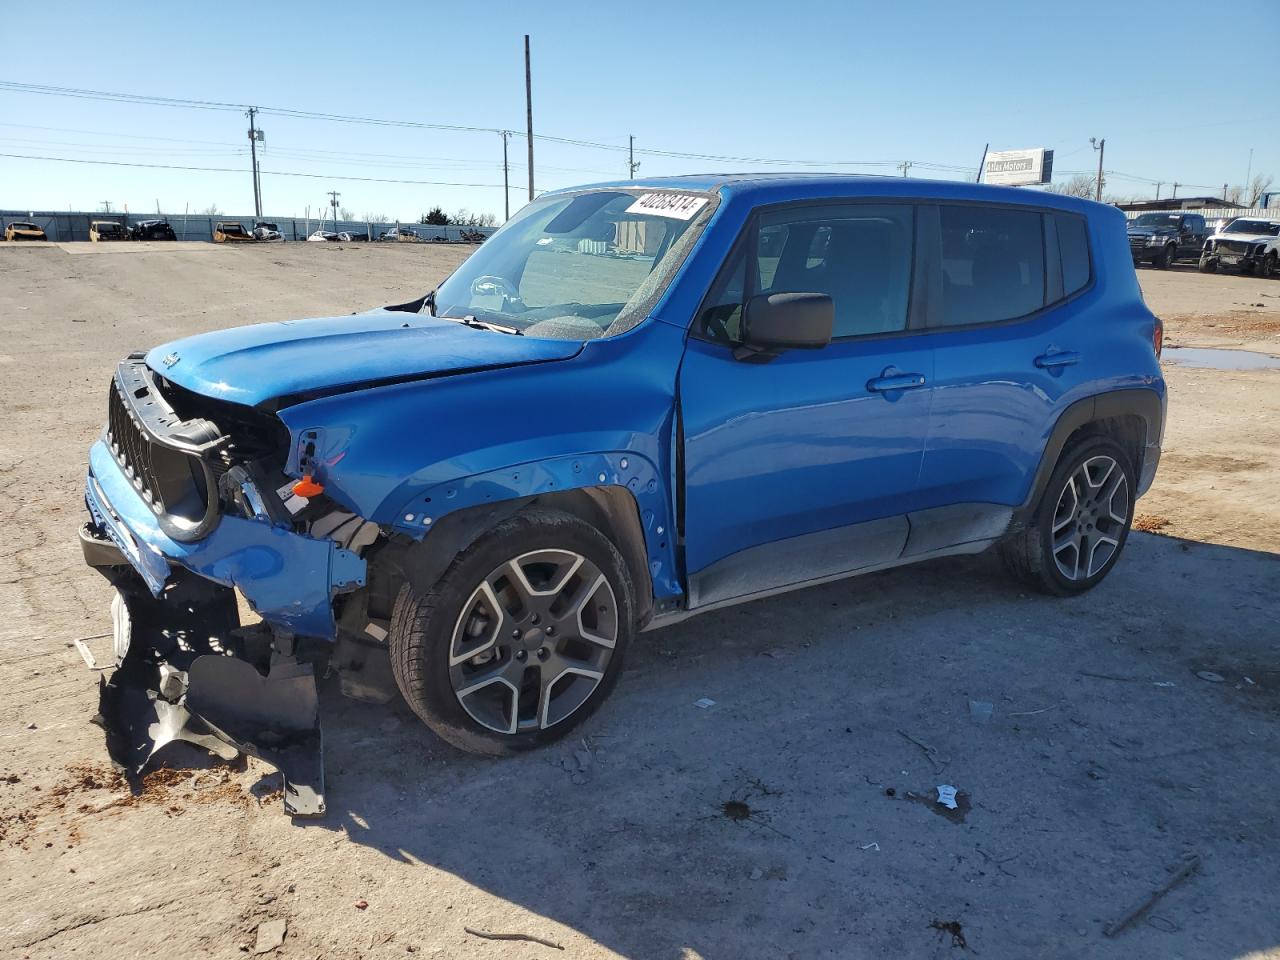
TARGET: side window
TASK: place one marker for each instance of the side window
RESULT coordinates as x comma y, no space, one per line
1073,243
858,254
992,264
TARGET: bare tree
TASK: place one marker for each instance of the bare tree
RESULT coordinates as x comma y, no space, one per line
1081,185
346,213
1259,185
1234,195
212,210
376,218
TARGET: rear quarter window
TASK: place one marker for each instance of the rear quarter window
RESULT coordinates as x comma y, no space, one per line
1073,244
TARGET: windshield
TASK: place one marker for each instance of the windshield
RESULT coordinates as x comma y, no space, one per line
577,266
1157,220
1261,227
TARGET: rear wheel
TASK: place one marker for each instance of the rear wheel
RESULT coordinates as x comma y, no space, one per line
521,639
1082,522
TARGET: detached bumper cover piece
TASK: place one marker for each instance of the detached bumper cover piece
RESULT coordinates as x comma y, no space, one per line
188,672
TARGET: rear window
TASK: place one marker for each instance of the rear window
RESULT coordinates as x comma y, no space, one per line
993,265
1073,244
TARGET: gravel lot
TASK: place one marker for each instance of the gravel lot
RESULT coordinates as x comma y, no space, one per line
791,819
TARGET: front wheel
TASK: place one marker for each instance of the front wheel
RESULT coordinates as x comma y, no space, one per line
1269,265
1081,523
521,639
1208,265
1164,259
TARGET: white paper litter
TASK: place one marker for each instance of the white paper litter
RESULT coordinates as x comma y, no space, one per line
947,796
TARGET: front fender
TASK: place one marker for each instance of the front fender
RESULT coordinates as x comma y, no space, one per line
406,455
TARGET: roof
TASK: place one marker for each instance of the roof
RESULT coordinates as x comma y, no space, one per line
775,187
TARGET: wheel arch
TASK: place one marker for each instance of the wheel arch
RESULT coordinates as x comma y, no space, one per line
1134,418
619,494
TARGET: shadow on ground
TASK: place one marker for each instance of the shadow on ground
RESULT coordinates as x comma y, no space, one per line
796,817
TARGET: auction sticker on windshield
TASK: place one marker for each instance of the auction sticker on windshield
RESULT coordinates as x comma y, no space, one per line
678,206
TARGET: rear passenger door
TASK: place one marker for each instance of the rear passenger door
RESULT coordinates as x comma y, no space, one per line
1009,339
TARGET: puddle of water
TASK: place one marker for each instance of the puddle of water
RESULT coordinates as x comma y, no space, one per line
1210,359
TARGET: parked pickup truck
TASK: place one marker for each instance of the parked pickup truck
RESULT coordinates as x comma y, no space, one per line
631,405
1247,243
1162,238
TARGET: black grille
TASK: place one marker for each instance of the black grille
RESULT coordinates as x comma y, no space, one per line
163,456
132,449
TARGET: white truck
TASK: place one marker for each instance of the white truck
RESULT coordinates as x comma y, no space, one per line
1251,244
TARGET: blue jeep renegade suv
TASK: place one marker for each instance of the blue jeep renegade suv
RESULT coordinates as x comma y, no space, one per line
632,404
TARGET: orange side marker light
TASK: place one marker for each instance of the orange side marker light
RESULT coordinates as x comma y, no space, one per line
307,487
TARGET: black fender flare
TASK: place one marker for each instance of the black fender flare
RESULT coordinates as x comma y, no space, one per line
1142,402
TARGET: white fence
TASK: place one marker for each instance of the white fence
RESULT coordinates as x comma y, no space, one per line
1217,213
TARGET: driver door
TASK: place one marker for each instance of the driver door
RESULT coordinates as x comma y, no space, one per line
804,466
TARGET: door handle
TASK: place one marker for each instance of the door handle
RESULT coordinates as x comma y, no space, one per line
897,381
1060,358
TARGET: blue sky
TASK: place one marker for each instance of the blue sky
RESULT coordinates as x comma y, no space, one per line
929,82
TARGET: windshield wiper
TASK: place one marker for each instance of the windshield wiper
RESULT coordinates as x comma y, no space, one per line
471,321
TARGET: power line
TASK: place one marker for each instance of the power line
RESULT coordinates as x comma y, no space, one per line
178,102
272,173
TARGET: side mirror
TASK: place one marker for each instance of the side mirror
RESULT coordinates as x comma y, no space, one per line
786,321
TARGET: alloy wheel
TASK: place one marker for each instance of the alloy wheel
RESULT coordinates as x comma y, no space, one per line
533,641
1090,518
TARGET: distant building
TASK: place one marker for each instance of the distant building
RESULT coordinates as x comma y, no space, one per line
1179,203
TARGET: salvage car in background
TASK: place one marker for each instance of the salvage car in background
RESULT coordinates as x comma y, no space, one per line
1247,243
21,230
266,232
102,230
631,405
153,230
323,236
231,231
401,235
1162,238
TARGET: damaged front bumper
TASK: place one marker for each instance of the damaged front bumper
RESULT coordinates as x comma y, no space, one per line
186,669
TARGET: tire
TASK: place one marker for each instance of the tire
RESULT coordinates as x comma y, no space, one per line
1269,267
1208,266
1099,533
1164,259
495,657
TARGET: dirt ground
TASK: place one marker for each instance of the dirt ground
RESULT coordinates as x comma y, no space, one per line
793,818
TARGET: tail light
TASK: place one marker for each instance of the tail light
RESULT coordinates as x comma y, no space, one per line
1157,337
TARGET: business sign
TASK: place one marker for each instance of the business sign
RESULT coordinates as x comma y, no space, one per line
1018,168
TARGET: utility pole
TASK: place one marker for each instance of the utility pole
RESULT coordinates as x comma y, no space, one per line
528,109
1248,174
1100,146
254,136
632,165
1159,184
1174,195
506,189
904,166
333,202
106,206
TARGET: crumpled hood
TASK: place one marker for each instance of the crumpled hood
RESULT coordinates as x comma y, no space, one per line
1246,237
253,364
